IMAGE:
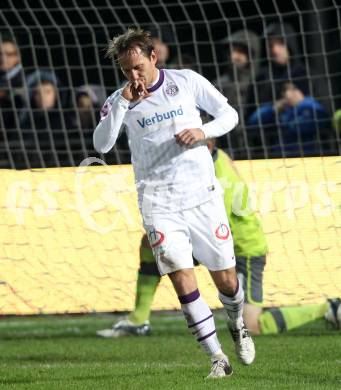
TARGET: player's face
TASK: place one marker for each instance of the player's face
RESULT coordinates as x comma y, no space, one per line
137,66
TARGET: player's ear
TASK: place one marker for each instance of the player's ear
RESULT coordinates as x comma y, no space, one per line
153,57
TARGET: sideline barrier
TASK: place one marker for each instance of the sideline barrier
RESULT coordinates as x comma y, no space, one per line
70,236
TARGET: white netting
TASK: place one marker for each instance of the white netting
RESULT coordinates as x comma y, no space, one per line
65,42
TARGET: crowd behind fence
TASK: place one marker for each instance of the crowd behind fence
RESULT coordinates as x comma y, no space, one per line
286,108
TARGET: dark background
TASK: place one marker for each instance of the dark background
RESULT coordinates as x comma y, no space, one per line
70,36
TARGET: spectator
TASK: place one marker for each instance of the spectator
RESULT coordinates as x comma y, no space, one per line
160,39
337,122
11,83
242,53
89,100
241,59
284,64
303,122
162,51
46,128
185,61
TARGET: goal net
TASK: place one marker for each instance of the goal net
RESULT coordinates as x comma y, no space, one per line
69,243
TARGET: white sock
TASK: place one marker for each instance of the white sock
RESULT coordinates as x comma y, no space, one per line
200,322
234,307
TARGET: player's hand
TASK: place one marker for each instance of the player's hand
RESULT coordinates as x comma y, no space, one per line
135,91
189,137
280,105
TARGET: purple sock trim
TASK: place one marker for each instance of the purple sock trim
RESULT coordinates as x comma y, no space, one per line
231,296
191,297
207,336
199,322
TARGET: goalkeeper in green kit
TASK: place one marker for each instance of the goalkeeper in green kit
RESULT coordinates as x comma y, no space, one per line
250,249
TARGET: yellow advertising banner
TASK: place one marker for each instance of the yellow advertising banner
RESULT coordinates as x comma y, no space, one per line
70,236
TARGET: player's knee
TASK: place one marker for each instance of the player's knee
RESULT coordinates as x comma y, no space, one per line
227,283
184,281
229,288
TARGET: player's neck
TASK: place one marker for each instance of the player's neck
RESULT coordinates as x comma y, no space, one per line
155,78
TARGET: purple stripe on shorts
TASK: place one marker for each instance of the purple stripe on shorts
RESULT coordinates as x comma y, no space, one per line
158,83
199,322
191,297
207,336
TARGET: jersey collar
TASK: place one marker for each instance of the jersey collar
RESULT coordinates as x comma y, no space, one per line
158,83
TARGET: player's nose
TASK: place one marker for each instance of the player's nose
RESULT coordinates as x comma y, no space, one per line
134,75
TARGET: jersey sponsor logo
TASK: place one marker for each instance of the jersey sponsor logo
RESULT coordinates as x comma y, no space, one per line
159,117
155,238
172,89
222,232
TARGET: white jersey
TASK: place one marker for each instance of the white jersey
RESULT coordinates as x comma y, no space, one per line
169,177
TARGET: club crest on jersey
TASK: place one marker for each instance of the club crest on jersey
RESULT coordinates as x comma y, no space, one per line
222,231
155,238
172,89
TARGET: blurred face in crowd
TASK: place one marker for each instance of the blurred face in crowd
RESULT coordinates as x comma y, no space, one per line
292,94
162,51
45,95
239,57
85,106
9,56
84,102
136,65
279,51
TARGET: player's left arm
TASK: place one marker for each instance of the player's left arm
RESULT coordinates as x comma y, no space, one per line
209,99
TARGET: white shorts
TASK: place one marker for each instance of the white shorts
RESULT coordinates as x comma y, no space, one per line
202,231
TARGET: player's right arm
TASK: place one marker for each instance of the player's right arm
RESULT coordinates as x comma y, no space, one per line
112,115
108,128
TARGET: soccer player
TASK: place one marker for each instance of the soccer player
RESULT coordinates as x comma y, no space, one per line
250,248
179,196
249,245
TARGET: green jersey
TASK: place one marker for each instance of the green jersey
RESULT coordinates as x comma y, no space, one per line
248,236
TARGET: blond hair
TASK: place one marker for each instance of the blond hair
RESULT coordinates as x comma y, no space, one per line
132,38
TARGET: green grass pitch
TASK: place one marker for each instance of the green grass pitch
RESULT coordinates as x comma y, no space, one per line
62,352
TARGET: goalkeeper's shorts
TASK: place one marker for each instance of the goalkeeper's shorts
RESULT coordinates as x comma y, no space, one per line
202,231
250,272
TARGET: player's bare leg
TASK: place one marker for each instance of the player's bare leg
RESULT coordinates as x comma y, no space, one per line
231,295
200,320
251,315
